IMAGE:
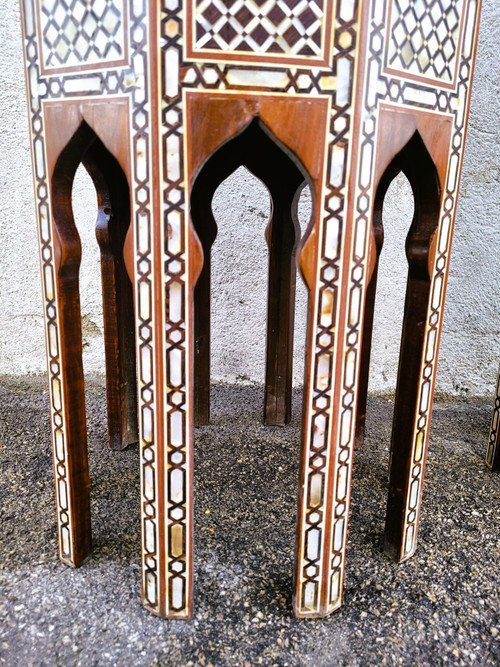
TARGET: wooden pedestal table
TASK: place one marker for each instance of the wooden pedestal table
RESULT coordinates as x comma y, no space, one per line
341,95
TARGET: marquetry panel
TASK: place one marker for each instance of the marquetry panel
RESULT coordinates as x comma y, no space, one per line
260,30
81,32
424,37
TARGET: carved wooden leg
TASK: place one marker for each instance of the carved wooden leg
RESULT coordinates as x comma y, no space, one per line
329,402
219,167
493,450
282,237
64,346
67,139
201,366
206,229
113,221
415,385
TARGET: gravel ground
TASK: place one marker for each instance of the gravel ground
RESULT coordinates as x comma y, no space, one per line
440,608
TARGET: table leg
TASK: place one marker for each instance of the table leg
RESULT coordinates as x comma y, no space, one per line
493,450
113,221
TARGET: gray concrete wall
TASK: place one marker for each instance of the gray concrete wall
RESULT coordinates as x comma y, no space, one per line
469,350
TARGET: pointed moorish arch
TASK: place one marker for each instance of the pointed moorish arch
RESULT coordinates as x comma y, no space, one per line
416,163
256,148
112,229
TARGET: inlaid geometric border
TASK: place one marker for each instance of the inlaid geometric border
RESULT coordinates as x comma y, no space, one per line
460,104
405,95
223,76
176,344
70,84
320,469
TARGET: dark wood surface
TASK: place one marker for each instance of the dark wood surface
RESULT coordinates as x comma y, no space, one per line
113,222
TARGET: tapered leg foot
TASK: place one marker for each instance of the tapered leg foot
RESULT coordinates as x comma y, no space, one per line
493,449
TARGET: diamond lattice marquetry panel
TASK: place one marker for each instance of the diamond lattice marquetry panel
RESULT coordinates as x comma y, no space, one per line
424,37
76,32
290,27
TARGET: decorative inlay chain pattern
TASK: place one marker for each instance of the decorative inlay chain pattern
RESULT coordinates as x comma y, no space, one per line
51,310
133,82
260,26
81,31
424,37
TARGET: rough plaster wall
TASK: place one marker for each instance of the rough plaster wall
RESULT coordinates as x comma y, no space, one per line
469,349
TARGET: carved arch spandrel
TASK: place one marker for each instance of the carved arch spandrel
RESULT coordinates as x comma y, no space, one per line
396,128
110,122
224,115
289,119
108,119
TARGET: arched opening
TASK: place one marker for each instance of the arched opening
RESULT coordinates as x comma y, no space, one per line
408,194
397,215
241,207
304,214
284,176
112,226
416,163
85,209
382,325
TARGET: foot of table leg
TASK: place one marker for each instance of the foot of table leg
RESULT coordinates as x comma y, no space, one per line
493,450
